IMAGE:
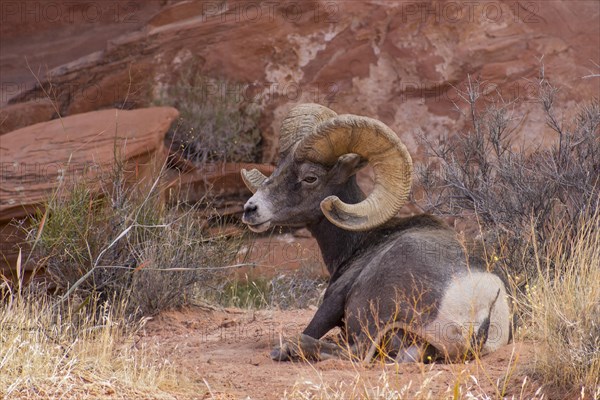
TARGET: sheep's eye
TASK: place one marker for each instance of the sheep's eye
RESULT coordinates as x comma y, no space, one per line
310,179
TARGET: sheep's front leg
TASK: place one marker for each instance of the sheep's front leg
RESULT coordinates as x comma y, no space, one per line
328,316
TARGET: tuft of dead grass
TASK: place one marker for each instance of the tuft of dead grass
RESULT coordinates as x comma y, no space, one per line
84,350
562,311
429,384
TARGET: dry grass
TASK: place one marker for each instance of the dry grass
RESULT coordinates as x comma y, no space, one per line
74,351
361,388
562,308
430,383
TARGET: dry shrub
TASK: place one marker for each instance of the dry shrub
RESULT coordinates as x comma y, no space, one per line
180,259
216,122
482,175
538,210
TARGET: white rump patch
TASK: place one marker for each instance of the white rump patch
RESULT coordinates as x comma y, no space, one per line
467,302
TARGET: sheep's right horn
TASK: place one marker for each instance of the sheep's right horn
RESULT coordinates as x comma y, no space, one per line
253,179
375,142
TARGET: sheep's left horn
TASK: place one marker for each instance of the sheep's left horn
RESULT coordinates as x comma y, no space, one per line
253,179
375,142
300,122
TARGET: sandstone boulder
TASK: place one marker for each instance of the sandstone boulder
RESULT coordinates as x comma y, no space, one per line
36,37
19,115
36,160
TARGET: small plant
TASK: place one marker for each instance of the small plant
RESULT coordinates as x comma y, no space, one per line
216,124
284,291
298,290
249,294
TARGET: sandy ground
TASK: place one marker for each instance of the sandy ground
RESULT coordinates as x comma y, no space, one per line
225,353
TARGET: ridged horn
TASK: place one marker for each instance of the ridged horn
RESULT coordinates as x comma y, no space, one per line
300,122
253,179
375,142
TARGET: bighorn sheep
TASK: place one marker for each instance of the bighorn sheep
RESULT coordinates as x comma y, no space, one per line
401,287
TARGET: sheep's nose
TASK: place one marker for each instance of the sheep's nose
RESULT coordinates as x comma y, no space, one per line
250,208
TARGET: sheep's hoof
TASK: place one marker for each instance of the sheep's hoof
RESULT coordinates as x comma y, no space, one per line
293,349
288,351
281,353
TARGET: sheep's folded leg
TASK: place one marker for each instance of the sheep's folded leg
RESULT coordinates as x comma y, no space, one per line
414,353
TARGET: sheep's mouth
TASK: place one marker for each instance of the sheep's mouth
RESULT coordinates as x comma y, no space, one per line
258,228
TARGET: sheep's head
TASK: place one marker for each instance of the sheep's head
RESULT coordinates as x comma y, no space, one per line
320,152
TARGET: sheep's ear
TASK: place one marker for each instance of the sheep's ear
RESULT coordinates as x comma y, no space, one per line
346,166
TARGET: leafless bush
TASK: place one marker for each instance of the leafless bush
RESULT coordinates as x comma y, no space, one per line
216,122
176,260
516,191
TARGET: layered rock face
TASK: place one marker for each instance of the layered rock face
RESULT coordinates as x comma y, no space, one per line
403,62
406,63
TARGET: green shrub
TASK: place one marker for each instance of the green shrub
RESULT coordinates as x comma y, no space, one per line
125,244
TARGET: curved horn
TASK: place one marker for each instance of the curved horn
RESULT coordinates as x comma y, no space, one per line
375,142
253,179
300,122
